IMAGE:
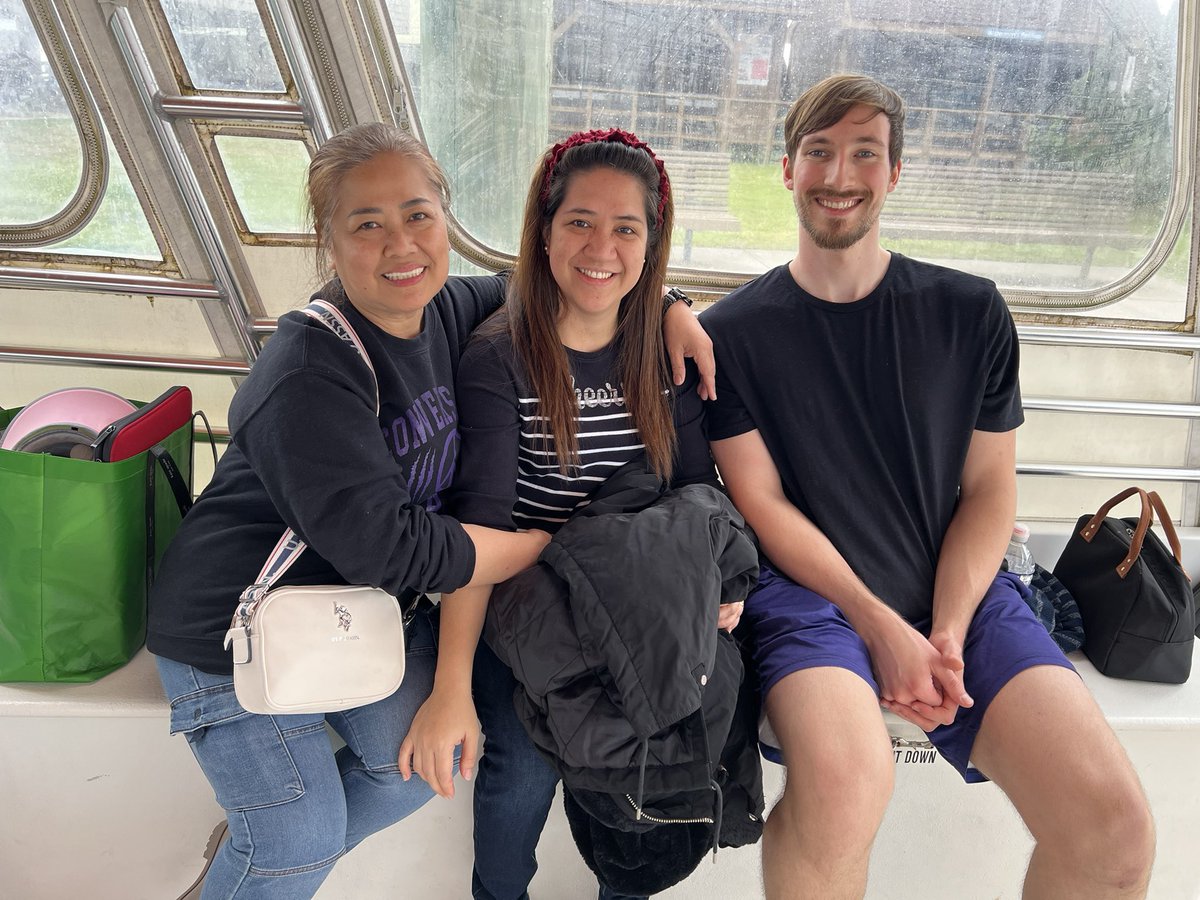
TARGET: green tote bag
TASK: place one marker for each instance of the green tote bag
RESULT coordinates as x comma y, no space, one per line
74,559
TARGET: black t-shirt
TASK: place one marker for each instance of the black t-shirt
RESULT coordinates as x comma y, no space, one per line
868,408
308,450
509,479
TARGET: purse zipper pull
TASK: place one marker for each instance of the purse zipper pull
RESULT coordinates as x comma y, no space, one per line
239,638
238,635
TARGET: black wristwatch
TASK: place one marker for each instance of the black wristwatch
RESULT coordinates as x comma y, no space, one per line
675,295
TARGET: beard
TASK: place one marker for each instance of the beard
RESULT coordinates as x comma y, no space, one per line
837,234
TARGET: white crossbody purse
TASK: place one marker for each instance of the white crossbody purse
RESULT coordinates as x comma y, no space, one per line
320,648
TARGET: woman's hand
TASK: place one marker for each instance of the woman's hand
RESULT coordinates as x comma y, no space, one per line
729,614
445,720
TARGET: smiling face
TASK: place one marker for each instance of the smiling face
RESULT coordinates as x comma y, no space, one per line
840,177
388,242
597,243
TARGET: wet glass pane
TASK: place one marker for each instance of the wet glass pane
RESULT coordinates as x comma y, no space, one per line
33,114
119,227
41,157
406,25
224,44
406,19
267,176
1038,147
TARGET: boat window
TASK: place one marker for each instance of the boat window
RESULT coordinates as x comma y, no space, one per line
40,153
1040,145
224,45
119,227
49,199
267,178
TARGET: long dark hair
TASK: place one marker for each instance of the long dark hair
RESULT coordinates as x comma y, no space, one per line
534,302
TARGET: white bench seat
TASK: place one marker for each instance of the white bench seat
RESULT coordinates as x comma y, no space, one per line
1138,705
102,803
132,691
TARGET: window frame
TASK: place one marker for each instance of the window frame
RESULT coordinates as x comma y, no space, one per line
208,133
81,208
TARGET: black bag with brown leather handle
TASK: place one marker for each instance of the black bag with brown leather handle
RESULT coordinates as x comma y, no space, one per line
1139,615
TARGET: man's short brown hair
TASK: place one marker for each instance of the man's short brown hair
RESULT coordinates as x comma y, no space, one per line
824,104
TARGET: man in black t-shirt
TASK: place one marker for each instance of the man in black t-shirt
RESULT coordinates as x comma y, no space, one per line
865,427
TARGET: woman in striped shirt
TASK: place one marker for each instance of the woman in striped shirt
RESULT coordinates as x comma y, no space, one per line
555,393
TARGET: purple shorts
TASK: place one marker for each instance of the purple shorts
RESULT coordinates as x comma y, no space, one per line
791,628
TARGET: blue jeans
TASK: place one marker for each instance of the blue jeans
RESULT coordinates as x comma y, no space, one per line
514,787
293,805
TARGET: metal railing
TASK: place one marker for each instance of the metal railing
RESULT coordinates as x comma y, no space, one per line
1061,336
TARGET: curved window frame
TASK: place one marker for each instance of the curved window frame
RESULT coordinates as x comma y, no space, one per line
93,180
1179,200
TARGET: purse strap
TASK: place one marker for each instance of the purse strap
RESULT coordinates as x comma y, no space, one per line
331,317
1151,504
289,547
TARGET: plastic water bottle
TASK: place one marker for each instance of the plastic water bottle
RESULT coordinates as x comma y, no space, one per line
1018,559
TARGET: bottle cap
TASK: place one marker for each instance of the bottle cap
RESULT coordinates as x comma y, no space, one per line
1020,532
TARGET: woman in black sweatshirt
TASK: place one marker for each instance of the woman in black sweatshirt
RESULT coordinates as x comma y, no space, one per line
362,490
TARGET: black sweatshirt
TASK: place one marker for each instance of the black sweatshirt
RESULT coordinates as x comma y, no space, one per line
364,491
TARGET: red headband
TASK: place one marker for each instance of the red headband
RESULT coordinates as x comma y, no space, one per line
616,136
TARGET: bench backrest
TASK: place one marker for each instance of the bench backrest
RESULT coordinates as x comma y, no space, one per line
700,180
1070,200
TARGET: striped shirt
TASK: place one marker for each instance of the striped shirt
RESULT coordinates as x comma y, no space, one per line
607,439
509,475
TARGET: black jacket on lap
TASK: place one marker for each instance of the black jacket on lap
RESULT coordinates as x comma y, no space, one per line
628,688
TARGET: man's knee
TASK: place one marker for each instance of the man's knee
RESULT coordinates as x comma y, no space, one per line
1134,835
838,790
840,768
861,780
1114,838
